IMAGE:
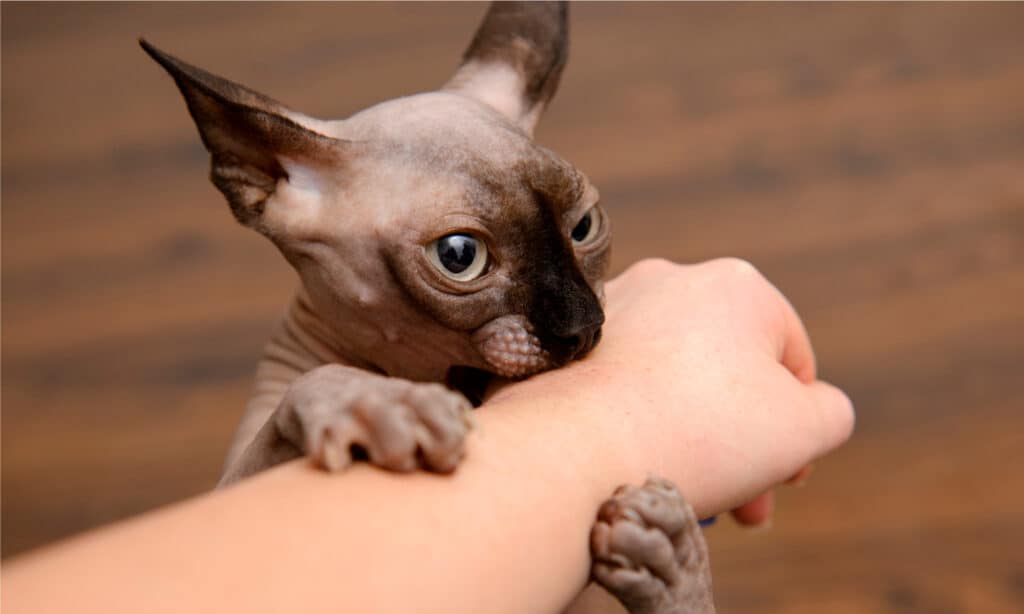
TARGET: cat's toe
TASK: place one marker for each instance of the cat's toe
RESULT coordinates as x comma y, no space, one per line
336,415
632,583
649,552
333,446
634,587
387,441
405,426
623,540
443,419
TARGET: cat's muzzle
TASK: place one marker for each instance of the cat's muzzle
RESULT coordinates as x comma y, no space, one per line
512,348
573,341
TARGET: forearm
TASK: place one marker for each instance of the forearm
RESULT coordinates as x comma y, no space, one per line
687,384
506,533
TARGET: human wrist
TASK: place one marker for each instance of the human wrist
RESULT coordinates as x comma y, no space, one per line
599,443
629,425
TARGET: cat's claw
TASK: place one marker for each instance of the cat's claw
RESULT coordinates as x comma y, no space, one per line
330,412
648,551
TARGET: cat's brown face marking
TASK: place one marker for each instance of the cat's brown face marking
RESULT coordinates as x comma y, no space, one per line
429,231
536,303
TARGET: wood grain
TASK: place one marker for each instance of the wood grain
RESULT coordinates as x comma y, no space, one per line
869,159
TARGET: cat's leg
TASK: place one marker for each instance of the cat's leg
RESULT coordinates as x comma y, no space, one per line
648,551
334,410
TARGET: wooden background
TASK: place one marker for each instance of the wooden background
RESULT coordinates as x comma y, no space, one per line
869,159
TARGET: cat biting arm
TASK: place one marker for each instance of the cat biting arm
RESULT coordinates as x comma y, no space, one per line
431,235
417,227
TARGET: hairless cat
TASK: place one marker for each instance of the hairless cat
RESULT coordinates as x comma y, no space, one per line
436,244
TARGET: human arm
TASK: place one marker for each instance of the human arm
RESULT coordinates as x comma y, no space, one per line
688,383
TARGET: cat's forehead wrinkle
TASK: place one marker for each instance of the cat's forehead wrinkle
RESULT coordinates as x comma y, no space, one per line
480,175
446,129
531,186
561,184
486,165
438,116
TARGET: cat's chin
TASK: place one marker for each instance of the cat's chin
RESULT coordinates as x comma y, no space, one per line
510,347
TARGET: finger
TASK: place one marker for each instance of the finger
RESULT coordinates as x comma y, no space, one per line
794,348
800,477
389,435
334,447
834,416
757,512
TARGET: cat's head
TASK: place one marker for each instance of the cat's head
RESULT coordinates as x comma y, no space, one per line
429,231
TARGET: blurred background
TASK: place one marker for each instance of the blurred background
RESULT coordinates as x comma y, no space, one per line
869,159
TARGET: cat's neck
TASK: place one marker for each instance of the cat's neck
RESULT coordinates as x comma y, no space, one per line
314,341
357,339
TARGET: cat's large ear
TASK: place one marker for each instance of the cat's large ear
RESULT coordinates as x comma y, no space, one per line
516,59
250,137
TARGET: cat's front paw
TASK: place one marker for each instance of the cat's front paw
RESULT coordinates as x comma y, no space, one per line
649,552
334,411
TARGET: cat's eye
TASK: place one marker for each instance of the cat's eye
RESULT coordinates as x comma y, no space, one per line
460,257
586,229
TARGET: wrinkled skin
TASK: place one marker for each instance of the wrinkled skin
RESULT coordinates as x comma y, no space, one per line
649,552
357,205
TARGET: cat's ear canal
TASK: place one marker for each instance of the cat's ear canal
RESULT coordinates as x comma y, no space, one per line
515,60
253,140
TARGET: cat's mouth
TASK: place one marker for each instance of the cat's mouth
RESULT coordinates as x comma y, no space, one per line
511,348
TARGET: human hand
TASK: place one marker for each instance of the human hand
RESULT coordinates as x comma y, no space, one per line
706,377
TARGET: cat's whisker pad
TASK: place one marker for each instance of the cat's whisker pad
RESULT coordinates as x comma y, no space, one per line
510,347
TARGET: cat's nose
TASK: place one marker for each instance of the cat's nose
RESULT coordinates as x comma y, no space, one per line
567,315
582,341
588,341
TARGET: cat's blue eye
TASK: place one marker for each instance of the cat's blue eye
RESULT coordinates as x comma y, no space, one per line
586,228
460,257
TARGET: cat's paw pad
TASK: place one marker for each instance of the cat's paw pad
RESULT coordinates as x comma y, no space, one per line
398,424
647,547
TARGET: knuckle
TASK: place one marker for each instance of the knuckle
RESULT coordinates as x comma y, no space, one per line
652,265
735,266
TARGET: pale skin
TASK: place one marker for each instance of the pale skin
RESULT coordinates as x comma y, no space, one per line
705,376
436,242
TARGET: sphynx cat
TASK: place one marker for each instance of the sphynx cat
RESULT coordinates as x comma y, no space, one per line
436,243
